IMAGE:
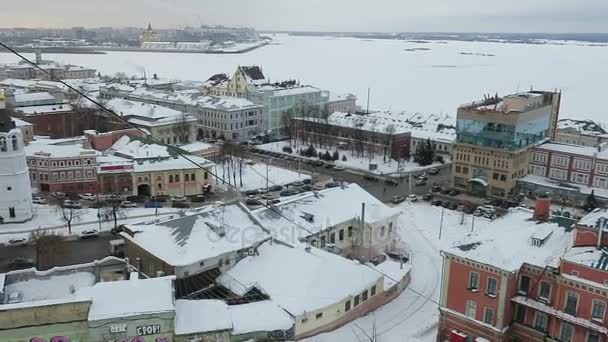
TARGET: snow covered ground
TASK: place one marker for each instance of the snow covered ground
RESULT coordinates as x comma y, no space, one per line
47,217
254,176
352,161
435,80
412,317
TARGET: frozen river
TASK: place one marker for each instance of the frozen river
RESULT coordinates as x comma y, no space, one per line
424,77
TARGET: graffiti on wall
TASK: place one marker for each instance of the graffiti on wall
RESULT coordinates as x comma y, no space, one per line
122,339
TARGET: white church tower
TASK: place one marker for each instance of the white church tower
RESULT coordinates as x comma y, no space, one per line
15,188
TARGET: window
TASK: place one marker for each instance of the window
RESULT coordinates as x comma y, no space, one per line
571,303
524,284
566,333
488,315
390,227
382,231
160,186
593,337
341,234
332,237
503,178
192,177
170,178
3,147
206,175
10,188
356,301
364,296
559,161
471,309
457,169
373,291
495,176
473,281
14,142
347,306
540,321
544,291
176,178
11,212
520,314
558,174
350,231
186,178
598,309
492,287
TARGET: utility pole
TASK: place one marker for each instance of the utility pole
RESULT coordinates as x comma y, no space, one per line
441,224
368,91
267,162
98,209
473,224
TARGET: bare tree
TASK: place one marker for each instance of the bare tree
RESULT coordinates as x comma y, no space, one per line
182,127
112,209
70,213
48,248
390,130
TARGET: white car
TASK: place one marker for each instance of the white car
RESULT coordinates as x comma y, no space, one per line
179,199
17,242
39,200
88,196
128,204
90,233
71,204
339,168
412,198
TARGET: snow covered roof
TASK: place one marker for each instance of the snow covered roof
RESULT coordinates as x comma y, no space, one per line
190,239
201,316
38,149
588,256
195,98
288,91
259,316
27,97
585,127
335,97
21,123
46,288
297,280
324,210
253,74
196,146
591,219
176,163
146,114
562,186
217,80
129,297
588,151
54,108
506,243
135,149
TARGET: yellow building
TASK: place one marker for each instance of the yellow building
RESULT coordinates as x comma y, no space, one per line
494,137
149,35
171,177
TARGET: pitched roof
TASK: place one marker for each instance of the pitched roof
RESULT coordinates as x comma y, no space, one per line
254,72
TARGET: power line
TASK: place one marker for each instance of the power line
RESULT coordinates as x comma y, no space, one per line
179,152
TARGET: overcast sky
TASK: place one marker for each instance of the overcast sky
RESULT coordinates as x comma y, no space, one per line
317,15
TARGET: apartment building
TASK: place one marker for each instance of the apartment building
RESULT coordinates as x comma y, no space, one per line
552,287
495,136
580,132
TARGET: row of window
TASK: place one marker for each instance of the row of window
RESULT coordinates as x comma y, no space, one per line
540,322
461,169
471,312
62,163
56,176
4,143
491,284
358,299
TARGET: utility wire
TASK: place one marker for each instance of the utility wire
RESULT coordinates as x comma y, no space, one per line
179,152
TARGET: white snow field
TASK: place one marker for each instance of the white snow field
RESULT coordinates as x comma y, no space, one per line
435,80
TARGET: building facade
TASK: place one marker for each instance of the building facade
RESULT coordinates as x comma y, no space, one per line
15,188
172,177
494,138
580,132
62,168
345,103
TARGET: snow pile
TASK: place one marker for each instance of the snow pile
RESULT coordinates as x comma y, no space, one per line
129,297
259,316
254,176
134,149
52,287
585,127
319,280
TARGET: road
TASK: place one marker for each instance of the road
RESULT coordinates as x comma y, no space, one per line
73,251
379,188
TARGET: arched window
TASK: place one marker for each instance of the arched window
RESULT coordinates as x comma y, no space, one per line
3,147
170,178
14,142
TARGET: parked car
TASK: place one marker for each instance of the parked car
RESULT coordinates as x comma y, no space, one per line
58,195
316,163
423,176
453,206
391,181
17,242
294,184
288,193
251,192
332,185
445,204
397,199
248,162
436,188
179,205
152,204
318,187
445,191
329,166
88,196
489,215
306,188
128,204
275,188
21,263
71,204
273,201
427,197
135,199
179,199
370,177
454,193
468,210
89,233
433,171
436,202
420,182
412,198
339,168
197,199
308,180
39,200
477,213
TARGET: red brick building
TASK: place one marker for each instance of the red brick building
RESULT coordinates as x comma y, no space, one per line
62,168
543,284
